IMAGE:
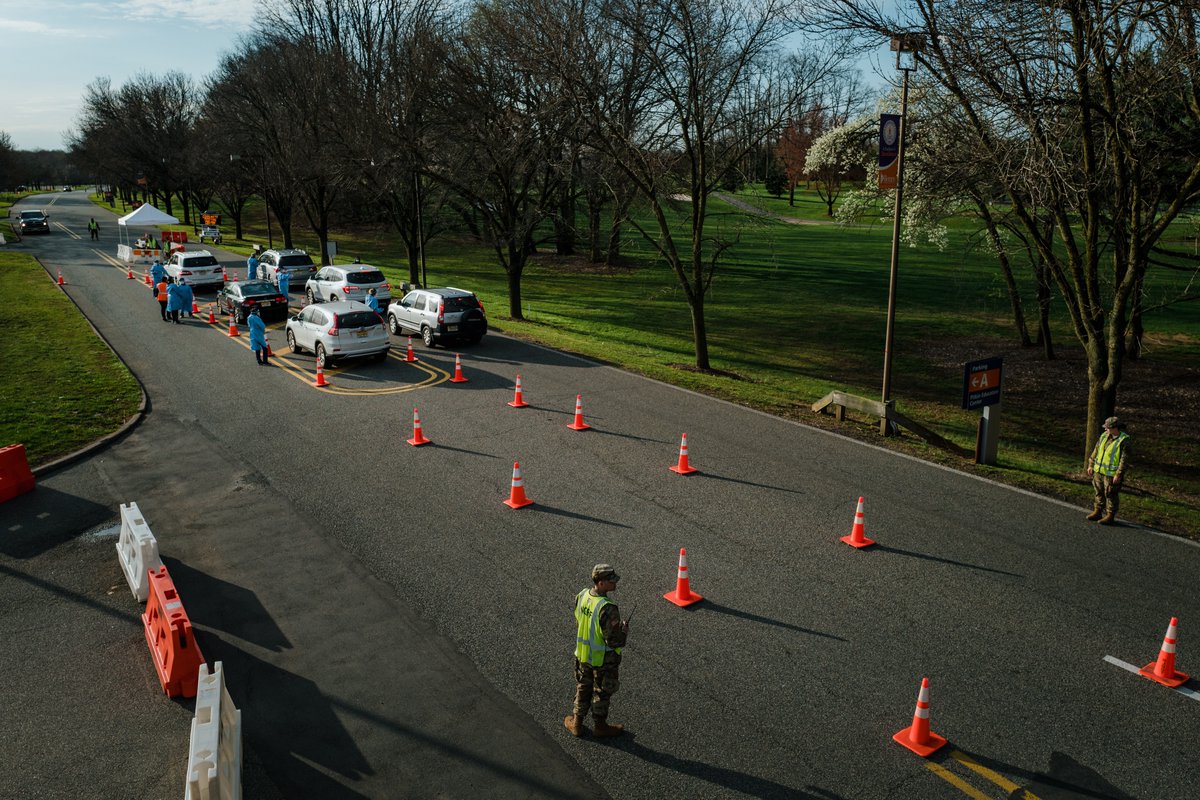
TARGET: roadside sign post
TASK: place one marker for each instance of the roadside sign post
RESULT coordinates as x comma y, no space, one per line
981,389
331,249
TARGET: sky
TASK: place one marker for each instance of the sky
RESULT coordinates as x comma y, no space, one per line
54,48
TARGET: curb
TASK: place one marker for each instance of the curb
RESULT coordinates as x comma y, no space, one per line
104,441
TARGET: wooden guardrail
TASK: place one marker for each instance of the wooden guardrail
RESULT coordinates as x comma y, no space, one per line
840,401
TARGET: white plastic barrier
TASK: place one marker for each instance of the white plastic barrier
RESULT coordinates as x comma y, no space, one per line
214,770
137,550
137,255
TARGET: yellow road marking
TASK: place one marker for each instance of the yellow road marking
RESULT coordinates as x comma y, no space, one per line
68,231
955,781
993,776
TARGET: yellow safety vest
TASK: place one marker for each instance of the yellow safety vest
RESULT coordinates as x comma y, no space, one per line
589,640
1107,454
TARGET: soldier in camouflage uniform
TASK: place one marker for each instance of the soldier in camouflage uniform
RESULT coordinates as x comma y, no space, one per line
599,636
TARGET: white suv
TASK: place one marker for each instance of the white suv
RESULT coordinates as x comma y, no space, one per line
348,282
298,263
198,267
334,331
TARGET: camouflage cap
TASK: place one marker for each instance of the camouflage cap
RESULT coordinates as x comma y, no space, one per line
1112,422
604,572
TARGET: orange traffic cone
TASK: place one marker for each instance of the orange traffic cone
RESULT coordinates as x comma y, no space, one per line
270,353
212,318
917,737
61,282
321,382
683,468
683,596
858,536
233,331
458,376
1163,670
409,355
146,277
579,424
418,437
195,308
518,400
130,275
516,497
225,277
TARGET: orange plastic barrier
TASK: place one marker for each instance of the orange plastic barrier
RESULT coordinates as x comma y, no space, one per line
15,476
173,647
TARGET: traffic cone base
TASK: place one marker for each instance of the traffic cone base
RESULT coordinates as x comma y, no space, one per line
515,503
932,744
860,543
458,376
683,600
1178,679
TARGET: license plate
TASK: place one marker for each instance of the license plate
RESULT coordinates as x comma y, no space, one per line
362,334
267,302
451,327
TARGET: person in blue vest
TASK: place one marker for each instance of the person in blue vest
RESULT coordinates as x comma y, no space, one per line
284,276
173,302
372,301
252,267
157,271
258,336
1106,468
186,298
599,635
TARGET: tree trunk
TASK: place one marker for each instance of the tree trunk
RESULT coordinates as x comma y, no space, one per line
513,270
1133,339
1014,295
564,223
595,252
791,193
699,332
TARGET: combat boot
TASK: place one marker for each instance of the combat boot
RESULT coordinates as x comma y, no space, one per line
1097,512
1107,519
574,725
603,729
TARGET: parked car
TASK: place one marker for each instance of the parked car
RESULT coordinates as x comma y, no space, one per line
297,262
335,331
199,267
239,298
438,315
33,222
66,188
348,282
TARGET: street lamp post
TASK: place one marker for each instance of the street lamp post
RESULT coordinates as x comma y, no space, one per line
901,44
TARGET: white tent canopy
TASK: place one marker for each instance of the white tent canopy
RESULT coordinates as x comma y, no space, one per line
147,214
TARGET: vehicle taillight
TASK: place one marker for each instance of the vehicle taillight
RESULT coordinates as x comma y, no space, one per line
349,289
441,313
334,330
250,302
481,311
385,286
280,298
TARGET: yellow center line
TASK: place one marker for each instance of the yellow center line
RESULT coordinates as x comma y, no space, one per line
993,776
955,781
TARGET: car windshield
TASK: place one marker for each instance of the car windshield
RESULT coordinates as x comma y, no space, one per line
200,261
358,319
367,276
256,288
460,303
31,215
295,261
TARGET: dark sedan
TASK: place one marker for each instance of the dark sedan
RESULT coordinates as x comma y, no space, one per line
239,298
34,222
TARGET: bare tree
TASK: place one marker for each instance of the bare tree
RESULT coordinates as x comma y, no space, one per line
1080,108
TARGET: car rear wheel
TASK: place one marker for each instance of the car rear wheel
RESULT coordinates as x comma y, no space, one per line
427,335
381,355
322,360
333,298
241,316
291,339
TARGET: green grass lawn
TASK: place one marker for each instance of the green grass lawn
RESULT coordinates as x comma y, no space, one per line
796,311
63,386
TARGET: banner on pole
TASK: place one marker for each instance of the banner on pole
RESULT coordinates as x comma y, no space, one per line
889,150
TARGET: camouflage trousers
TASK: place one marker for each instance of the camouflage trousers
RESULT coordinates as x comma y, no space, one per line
594,687
1108,497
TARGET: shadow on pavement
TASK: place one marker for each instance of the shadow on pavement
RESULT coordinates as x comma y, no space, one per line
45,518
708,605
927,557
289,723
238,609
751,785
562,513
750,483
1066,779
133,615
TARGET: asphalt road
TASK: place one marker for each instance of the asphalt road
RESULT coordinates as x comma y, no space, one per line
788,680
